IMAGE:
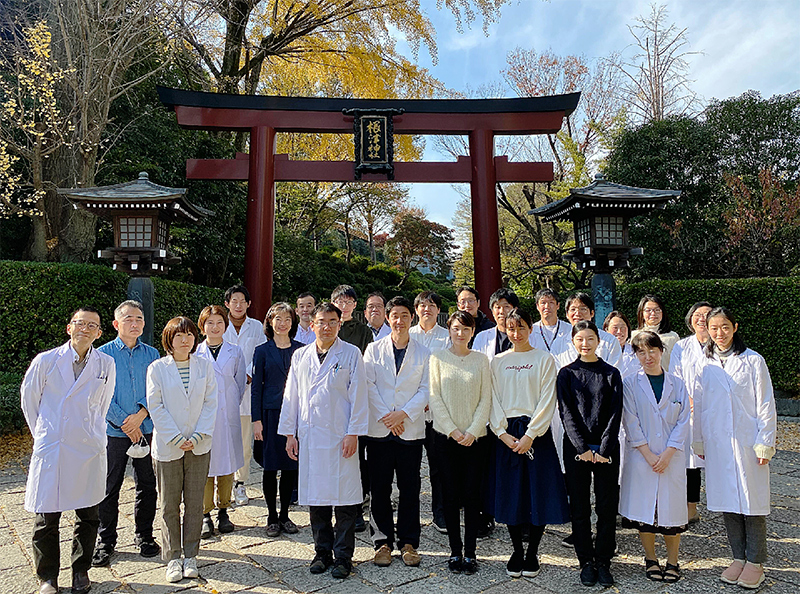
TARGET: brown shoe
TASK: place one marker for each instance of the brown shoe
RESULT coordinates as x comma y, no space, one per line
410,556
383,556
731,575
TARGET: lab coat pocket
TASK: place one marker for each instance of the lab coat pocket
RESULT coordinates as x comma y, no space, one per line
673,412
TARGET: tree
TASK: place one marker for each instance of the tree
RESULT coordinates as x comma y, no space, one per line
417,242
657,83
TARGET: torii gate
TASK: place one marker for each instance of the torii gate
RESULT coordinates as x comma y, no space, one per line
263,117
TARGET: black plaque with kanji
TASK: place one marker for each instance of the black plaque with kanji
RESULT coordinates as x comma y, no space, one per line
374,140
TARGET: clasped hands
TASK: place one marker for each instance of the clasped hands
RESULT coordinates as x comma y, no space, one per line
394,421
593,457
519,446
658,463
464,439
131,426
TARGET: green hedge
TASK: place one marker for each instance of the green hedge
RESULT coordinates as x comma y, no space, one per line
766,309
36,300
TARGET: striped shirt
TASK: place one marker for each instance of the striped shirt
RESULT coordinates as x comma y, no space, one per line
183,369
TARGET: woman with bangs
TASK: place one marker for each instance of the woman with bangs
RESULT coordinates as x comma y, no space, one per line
529,487
182,402
271,362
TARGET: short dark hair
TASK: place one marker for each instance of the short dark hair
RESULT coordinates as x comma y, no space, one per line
375,294
546,292
504,293
86,309
276,308
306,294
175,325
691,312
645,338
664,326
344,291
616,314
738,345
520,315
585,325
237,289
428,296
584,298
399,301
326,307
212,310
470,289
129,303
462,317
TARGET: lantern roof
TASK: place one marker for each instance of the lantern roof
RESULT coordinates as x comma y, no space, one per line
140,194
604,197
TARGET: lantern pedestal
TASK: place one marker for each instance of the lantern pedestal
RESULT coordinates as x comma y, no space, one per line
140,288
604,296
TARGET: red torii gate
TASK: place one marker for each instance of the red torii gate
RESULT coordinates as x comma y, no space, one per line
264,117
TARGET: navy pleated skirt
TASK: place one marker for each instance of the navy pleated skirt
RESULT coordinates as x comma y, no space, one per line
270,453
529,491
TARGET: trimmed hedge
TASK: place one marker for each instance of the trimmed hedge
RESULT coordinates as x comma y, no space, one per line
766,310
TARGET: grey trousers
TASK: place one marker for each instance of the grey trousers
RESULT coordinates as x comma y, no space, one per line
183,479
747,536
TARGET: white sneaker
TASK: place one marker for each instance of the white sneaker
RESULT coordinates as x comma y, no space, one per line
174,571
190,567
240,495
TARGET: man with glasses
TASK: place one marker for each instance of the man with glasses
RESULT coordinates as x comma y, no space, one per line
351,330
468,300
375,314
128,426
65,396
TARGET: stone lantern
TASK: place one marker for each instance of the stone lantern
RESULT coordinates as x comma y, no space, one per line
141,213
600,214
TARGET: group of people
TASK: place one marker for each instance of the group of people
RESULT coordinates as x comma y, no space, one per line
517,419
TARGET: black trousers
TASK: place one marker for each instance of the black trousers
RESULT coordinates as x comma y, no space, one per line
435,475
340,541
387,459
144,507
579,477
363,466
693,481
46,548
463,469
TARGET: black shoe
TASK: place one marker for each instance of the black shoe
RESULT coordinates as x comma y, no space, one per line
289,527
341,569
568,541
321,562
530,568
486,529
102,556
361,525
149,548
515,563
208,527
454,564
470,566
604,576
224,522
589,574
80,582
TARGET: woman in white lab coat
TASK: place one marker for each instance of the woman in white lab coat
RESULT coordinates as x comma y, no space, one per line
735,426
686,361
653,488
227,451
652,315
182,401
617,324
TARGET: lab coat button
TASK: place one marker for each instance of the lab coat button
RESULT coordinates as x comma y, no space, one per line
63,440
85,419
84,440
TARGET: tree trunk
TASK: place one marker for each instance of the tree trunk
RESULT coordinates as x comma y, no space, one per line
348,241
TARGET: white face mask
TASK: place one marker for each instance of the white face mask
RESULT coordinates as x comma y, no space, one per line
139,449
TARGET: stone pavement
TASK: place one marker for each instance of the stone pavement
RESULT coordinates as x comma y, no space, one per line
247,561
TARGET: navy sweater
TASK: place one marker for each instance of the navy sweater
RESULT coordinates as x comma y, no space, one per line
590,404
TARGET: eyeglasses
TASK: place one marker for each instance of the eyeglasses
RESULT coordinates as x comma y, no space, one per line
375,307
321,324
651,310
81,325
344,301
467,301
583,309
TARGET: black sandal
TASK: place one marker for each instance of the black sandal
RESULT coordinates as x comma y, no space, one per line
671,578
656,575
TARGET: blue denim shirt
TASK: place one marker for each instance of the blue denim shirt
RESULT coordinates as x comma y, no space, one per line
131,388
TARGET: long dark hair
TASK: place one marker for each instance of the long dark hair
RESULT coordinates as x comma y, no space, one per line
664,326
690,313
738,344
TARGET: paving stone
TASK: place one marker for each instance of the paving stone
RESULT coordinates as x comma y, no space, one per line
12,556
155,582
231,576
20,580
127,563
280,555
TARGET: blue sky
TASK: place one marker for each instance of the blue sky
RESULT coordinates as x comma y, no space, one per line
745,44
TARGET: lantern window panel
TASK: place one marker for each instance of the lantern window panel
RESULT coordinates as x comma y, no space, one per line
584,233
609,230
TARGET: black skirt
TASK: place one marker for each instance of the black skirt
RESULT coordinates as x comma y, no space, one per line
271,455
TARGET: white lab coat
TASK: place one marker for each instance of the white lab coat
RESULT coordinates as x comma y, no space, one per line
668,339
735,423
250,335
486,342
176,410
629,363
643,492
227,450
543,339
67,418
686,361
389,391
382,333
323,403
608,349
435,339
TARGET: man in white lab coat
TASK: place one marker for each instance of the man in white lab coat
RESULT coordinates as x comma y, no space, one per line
247,333
324,410
397,385
549,333
65,397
